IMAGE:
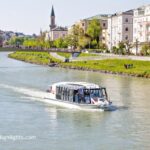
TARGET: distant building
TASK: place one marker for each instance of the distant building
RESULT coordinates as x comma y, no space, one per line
55,31
141,24
103,19
52,19
120,28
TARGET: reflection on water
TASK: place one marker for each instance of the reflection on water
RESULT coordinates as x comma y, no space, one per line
22,113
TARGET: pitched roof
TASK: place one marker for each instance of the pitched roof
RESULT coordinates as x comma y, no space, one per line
99,17
60,29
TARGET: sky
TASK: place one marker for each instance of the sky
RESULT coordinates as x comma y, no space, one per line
29,16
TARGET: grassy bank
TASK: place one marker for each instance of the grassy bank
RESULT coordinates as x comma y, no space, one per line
43,58
115,66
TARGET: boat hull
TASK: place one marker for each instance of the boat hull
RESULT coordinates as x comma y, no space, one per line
71,105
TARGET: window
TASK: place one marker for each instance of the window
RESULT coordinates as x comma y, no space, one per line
126,29
103,38
126,37
126,20
104,24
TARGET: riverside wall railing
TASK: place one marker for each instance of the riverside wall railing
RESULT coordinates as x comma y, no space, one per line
13,49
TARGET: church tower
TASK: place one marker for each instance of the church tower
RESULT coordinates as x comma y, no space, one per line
52,19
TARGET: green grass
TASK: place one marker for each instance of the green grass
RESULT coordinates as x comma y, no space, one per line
66,55
43,58
140,68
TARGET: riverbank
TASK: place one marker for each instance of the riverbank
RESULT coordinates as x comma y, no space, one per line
114,66
40,58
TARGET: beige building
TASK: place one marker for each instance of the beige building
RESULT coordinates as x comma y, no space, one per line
103,21
58,32
120,28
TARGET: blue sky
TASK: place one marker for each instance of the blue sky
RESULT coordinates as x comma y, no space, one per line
29,16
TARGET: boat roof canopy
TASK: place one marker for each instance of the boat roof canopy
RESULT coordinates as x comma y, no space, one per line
77,85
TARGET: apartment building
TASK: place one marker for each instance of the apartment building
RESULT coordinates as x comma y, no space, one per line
103,18
120,28
141,24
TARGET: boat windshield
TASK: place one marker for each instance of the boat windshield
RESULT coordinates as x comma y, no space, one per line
101,93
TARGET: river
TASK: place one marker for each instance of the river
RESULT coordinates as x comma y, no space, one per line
27,122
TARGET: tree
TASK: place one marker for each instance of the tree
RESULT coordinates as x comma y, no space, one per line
1,41
30,43
58,43
94,30
94,44
145,49
74,37
16,40
128,46
102,47
121,48
84,41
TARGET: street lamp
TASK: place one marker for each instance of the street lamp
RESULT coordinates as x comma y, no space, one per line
89,45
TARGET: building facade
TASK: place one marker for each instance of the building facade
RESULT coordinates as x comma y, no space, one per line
55,31
141,24
58,32
103,22
120,28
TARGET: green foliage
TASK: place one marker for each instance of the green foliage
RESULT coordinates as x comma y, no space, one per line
16,41
30,43
102,46
43,58
66,55
120,49
61,43
1,41
145,49
94,29
115,50
128,46
94,44
73,38
86,55
84,41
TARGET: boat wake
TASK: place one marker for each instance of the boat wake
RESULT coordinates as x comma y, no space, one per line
26,91
36,95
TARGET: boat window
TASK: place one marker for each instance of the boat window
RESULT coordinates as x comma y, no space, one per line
95,93
104,93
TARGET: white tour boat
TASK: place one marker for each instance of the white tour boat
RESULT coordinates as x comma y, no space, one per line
79,95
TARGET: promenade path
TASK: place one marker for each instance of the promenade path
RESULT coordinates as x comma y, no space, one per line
101,57
55,55
143,58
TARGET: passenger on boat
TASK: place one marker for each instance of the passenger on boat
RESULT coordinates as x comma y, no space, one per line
81,96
